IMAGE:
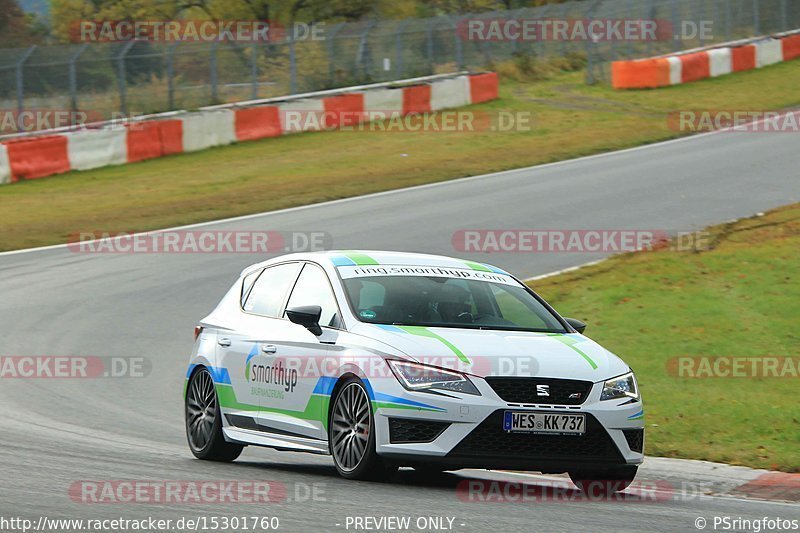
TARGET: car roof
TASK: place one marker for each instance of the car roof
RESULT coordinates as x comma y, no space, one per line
340,258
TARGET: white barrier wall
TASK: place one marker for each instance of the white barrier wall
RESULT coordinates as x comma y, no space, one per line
720,62
302,115
768,53
97,148
5,167
675,70
448,94
205,129
388,101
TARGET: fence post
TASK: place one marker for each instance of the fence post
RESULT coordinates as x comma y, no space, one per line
73,77
728,20
784,16
171,75
329,43
213,74
458,43
121,83
591,48
20,81
398,46
631,9
757,17
429,47
675,29
254,69
651,14
363,49
292,67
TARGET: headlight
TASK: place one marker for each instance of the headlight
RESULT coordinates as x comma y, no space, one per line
620,387
417,377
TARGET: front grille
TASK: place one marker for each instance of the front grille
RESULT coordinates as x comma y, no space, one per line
635,438
524,390
489,439
408,430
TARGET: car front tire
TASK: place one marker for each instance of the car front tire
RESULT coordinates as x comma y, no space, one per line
204,421
351,435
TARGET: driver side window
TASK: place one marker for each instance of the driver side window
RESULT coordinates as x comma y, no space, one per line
313,288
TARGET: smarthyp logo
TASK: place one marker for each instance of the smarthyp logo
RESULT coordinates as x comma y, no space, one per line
276,373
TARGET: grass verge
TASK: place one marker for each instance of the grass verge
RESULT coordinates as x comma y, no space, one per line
570,119
740,298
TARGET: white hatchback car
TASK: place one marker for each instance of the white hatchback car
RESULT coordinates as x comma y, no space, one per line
385,359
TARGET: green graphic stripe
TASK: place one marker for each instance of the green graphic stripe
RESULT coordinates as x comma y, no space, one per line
570,342
422,331
392,405
316,408
477,266
641,417
360,259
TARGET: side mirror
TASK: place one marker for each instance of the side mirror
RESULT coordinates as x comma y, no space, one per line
307,316
579,326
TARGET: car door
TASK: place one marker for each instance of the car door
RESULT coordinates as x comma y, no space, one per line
299,406
248,336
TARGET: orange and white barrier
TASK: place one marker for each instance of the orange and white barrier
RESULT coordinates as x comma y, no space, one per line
448,94
204,129
5,168
386,101
687,67
97,148
49,153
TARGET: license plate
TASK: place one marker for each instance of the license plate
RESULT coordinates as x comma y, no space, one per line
538,422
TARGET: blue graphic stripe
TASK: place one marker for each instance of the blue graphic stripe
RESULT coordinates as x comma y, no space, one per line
389,327
324,386
381,397
495,269
219,375
637,415
341,260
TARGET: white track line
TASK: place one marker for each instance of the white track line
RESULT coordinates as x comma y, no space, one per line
444,183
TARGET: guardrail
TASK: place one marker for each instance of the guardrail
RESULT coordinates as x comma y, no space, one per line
707,62
41,154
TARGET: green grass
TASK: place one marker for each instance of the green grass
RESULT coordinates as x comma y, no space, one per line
570,119
741,298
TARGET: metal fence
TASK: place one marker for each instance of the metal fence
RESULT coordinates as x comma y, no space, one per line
145,77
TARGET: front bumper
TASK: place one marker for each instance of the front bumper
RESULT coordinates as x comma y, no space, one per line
471,433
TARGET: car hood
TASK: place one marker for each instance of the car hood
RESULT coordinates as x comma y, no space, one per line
501,353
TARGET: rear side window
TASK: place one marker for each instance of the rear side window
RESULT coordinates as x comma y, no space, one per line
269,291
313,288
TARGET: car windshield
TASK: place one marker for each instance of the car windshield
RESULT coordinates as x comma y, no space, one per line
448,302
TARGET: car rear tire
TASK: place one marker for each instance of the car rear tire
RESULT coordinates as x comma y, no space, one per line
351,435
600,482
204,421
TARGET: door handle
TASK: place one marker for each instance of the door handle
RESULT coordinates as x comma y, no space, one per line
269,348
224,341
